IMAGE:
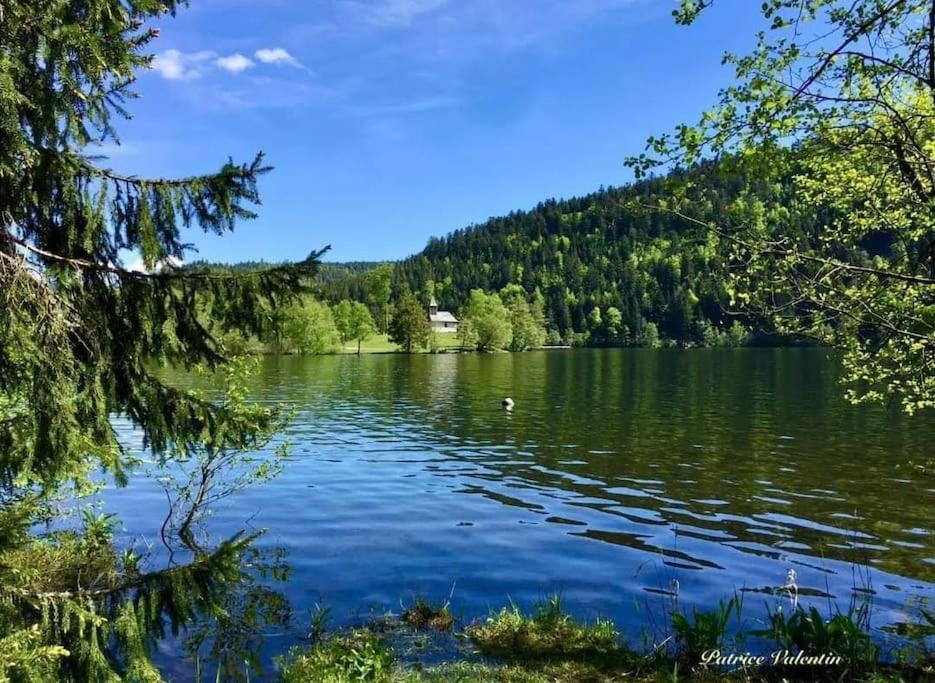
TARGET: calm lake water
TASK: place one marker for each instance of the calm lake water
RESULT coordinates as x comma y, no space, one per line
617,472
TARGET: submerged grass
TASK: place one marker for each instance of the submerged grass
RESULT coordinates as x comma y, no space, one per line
423,614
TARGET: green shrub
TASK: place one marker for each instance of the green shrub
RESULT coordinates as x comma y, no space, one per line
358,655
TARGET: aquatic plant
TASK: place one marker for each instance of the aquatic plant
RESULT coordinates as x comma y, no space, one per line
318,621
98,527
846,634
919,648
707,630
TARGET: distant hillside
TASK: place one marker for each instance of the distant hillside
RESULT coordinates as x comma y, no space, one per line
328,270
589,254
330,273
603,268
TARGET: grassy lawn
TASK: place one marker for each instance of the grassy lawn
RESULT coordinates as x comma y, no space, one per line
381,344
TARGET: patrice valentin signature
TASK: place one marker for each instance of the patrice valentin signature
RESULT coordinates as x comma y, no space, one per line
777,658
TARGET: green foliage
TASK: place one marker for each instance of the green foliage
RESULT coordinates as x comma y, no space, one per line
233,636
706,631
307,327
342,313
358,655
650,336
528,328
599,251
548,672
807,631
318,622
409,327
614,329
737,335
195,479
595,322
467,335
486,322
527,321
365,282
379,288
55,563
548,633
919,635
80,332
836,103
549,646
99,527
79,614
82,337
353,321
23,656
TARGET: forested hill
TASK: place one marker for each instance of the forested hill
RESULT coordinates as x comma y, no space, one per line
599,269
335,280
587,255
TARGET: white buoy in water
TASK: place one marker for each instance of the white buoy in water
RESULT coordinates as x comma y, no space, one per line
507,403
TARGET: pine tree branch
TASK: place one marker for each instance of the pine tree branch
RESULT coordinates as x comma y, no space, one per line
175,274
240,170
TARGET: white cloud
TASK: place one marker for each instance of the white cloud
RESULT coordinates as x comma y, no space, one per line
181,66
175,65
235,63
277,55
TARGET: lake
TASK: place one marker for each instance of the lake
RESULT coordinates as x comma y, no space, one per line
617,473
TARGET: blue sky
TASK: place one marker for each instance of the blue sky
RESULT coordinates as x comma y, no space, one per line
389,121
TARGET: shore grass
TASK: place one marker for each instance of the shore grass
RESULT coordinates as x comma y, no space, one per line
380,343
550,646
357,655
548,634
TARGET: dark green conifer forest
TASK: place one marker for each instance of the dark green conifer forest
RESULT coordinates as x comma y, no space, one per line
601,253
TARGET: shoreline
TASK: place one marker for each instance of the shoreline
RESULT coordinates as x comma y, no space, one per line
548,645
381,346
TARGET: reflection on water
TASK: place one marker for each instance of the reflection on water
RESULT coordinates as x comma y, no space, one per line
616,472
